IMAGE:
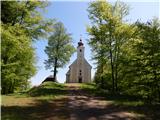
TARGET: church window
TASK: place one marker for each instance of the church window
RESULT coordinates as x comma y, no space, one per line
80,50
80,72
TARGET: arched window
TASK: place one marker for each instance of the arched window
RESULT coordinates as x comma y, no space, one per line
80,72
80,50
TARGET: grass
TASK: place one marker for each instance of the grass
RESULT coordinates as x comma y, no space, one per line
129,103
35,104
89,87
48,89
48,100
33,108
92,89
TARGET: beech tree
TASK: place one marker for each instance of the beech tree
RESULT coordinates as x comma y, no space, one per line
21,24
108,33
141,75
59,49
127,55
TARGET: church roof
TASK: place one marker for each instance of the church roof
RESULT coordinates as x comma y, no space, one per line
73,63
76,62
68,72
87,63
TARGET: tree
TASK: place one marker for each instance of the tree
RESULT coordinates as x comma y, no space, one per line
127,55
21,24
59,49
17,59
145,60
28,15
108,33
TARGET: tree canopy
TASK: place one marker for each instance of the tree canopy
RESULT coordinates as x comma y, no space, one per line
59,49
21,24
127,55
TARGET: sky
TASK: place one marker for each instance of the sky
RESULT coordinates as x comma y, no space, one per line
74,16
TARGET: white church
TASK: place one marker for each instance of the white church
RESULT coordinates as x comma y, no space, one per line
80,70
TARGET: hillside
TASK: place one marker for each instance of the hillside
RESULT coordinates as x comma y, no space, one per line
56,101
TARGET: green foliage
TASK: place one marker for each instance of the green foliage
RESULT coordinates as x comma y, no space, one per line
21,24
28,15
108,34
59,49
16,52
144,61
127,55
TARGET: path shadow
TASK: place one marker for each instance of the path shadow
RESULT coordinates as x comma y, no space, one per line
119,111
116,111
80,105
41,110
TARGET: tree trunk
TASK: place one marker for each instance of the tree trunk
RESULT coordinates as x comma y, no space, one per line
55,70
112,69
11,87
116,77
158,93
111,56
116,68
102,79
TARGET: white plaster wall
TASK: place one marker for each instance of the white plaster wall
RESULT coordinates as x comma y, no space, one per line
80,64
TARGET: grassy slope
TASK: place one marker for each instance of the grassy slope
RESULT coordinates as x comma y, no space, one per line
31,104
125,102
38,103
48,89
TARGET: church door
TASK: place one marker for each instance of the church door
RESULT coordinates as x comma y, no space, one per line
80,80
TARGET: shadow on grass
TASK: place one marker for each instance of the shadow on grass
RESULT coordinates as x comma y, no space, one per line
136,104
62,109
41,110
112,111
129,103
65,109
81,111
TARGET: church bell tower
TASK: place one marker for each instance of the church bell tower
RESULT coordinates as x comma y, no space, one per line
80,61
80,50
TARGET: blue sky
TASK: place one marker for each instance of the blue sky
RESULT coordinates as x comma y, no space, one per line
75,18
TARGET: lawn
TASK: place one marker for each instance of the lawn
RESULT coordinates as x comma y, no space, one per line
50,101
38,103
130,103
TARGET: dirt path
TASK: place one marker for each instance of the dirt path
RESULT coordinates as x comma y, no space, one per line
87,107
76,105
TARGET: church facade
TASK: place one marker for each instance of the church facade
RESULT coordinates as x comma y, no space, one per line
80,70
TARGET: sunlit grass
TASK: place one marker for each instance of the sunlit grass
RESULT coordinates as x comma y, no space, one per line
49,94
16,106
48,89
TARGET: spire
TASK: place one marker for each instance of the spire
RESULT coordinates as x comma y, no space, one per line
80,43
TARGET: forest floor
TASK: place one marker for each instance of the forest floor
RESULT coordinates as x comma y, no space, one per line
73,102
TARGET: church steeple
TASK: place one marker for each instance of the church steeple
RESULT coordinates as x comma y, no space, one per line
80,50
80,43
